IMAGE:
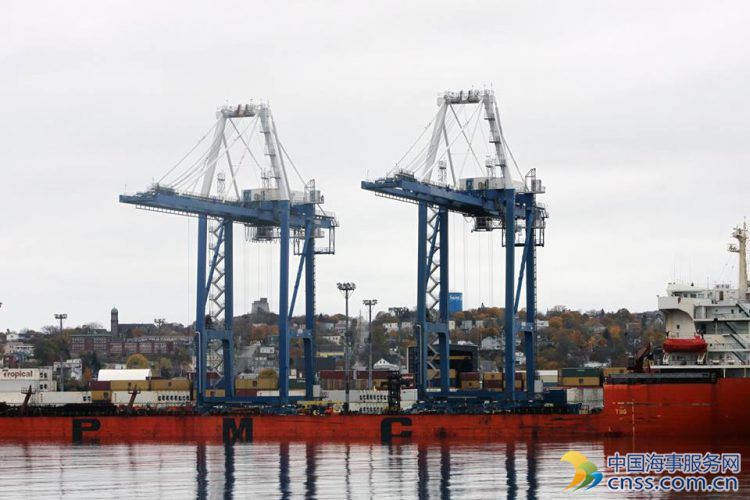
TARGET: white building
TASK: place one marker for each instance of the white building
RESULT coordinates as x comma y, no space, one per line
73,368
107,375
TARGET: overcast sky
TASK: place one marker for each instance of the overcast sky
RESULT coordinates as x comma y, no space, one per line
635,115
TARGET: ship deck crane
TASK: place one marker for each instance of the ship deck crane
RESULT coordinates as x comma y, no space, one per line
494,202
272,212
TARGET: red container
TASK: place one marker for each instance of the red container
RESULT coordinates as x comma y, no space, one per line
96,385
246,392
469,376
331,375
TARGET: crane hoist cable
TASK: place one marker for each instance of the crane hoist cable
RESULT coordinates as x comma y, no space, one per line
468,141
199,170
247,149
466,156
413,144
211,129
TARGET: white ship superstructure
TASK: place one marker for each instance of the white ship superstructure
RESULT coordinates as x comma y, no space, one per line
709,326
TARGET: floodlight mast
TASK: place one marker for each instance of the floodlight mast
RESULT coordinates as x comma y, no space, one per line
369,303
347,289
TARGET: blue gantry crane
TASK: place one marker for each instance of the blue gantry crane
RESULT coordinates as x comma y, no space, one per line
495,201
197,186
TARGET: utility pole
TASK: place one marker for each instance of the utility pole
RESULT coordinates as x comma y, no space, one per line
399,312
369,303
61,317
347,289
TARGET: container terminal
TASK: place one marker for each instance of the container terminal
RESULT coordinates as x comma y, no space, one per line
698,378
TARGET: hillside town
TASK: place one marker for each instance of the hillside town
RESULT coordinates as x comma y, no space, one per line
566,338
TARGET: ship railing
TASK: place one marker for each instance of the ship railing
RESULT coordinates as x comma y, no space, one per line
727,347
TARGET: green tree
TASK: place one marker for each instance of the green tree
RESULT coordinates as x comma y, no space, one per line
165,367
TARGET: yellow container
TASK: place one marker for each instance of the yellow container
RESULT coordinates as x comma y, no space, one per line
614,371
580,382
215,393
130,385
492,376
435,374
100,395
246,383
470,384
173,384
268,383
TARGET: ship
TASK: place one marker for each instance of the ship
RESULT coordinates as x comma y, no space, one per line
696,380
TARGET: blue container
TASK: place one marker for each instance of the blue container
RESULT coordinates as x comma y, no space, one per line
455,302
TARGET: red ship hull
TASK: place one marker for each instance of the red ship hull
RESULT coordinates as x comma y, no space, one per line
647,410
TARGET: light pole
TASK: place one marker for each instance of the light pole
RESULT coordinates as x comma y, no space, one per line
61,317
399,312
369,303
347,289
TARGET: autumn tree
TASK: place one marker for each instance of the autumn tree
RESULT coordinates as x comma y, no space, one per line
137,361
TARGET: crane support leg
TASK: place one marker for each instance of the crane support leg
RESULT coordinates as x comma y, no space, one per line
444,335
284,302
309,340
421,327
200,309
530,331
510,320
227,342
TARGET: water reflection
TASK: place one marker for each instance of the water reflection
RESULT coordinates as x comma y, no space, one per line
228,471
521,469
310,470
445,470
284,483
201,468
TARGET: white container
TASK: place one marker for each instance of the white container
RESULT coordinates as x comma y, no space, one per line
15,398
9,385
62,398
152,398
17,374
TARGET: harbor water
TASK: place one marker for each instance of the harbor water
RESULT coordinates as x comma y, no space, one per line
520,469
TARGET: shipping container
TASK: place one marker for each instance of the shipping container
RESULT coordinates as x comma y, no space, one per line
130,385
28,374
100,395
470,385
10,385
246,383
173,384
63,398
173,398
96,385
581,372
14,398
580,381
592,397
549,377
246,392
614,371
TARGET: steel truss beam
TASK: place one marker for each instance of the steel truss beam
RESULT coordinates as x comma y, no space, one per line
515,211
285,215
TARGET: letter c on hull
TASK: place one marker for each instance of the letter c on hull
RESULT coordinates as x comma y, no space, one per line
386,428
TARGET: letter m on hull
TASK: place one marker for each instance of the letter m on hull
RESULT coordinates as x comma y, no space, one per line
233,431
